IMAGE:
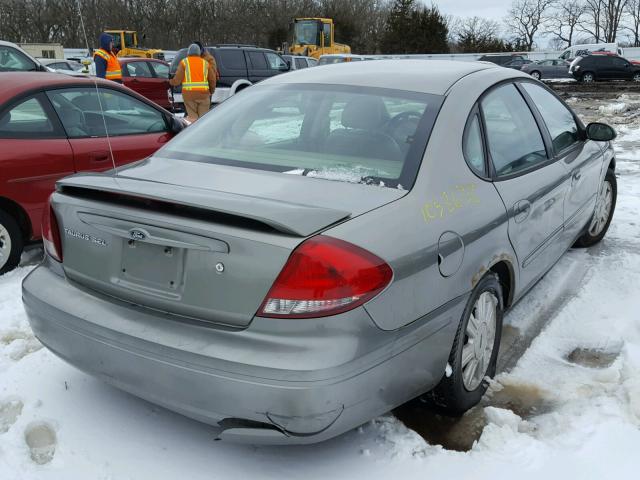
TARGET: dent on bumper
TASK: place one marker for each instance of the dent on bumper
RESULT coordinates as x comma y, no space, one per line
246,403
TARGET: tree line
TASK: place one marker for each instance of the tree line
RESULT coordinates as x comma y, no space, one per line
368,26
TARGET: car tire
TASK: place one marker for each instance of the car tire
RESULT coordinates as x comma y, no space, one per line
588,77
458,391
536,74
11,243
636,77
603,213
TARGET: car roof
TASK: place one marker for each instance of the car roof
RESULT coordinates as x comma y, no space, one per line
426,76
15,83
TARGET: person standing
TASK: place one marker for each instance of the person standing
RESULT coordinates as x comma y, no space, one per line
198,80
107,64
204,53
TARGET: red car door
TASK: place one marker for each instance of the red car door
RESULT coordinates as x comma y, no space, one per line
135,129
140,77
34,154
161,85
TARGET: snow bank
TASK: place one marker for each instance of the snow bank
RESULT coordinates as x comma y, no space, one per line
613,108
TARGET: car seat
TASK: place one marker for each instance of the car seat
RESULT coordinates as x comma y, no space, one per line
360,135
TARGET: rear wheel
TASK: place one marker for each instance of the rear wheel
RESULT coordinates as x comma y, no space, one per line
603,213
535,74
588,77
475,349
11,242
636,77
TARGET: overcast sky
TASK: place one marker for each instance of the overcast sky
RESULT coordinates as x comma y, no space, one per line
494,9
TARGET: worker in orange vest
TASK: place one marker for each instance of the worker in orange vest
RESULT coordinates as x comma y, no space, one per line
198,80
107,64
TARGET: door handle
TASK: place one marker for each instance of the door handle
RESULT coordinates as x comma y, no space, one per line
521,211
99,156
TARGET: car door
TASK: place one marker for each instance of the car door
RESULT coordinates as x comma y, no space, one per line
560,69
257,65
531,184
161,83
34,154
135,129
604,67
582,158
137,75
300,63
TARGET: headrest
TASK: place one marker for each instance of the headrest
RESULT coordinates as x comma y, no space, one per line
364,113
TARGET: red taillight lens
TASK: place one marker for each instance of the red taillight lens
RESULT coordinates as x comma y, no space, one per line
325,276
51,233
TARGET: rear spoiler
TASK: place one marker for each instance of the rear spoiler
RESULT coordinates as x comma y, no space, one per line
290,218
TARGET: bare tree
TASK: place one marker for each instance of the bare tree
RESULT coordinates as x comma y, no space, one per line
602,19
633,11
526,18
565,20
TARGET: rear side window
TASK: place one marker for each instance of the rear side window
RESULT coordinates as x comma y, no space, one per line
300,63
28,118
231,59
560,122
139,69
472,146
257,60
513,137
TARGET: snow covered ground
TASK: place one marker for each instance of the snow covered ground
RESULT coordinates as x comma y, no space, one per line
569,408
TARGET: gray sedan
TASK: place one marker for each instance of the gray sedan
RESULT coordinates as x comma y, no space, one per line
556,68
324,247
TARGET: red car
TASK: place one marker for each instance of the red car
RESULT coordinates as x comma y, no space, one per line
148,77
52,125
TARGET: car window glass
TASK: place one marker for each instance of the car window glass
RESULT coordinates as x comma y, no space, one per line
162,70
257,61
232,59
300,63
275,62
312,62
336,132
559,120
62,66
80,111
139,69
472,146
326,33
619,62
513,137
28,117
11,59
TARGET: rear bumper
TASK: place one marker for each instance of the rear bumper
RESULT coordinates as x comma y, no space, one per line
263,384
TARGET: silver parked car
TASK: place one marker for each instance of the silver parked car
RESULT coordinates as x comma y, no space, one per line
323,247
556,68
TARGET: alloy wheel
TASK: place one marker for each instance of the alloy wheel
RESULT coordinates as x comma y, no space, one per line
5,245
536,75
480,337
603,209
587,78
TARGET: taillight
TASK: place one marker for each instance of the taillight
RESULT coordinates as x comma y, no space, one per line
325,276
51,233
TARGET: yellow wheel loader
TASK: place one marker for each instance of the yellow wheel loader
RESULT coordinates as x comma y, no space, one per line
313,37
125,42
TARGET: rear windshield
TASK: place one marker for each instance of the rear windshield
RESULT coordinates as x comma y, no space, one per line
331,132
330,60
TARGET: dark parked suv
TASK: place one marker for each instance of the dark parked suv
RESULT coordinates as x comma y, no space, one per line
239,66
604,67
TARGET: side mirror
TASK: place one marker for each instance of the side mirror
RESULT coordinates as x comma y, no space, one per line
600,132
175,125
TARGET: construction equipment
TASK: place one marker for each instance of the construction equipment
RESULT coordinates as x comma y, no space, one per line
125,42
313,37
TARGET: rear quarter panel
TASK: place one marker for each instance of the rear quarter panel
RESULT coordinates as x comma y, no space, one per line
446,197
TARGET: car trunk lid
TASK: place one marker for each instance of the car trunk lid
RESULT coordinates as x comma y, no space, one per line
206,254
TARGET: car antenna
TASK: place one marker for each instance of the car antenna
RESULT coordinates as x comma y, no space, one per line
95,82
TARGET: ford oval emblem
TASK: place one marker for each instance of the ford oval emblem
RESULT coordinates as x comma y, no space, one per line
137,234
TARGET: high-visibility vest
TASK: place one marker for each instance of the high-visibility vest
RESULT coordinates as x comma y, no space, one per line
114,71
196,73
